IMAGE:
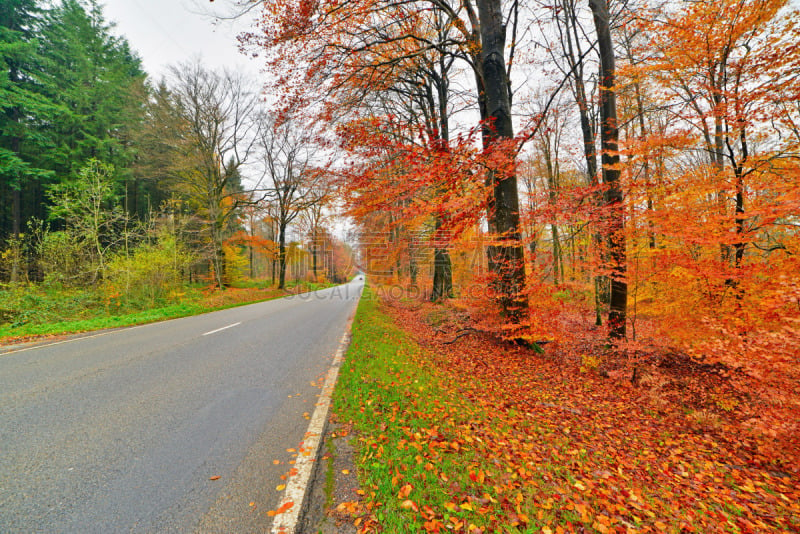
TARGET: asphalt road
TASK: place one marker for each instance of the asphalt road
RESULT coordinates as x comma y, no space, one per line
122,431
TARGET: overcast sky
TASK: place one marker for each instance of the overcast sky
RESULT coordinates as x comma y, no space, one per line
166,32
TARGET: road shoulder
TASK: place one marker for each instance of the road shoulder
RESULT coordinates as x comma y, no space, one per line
333,494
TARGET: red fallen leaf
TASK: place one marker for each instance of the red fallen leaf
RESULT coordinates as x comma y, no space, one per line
478,477
283,508
595,476
215,477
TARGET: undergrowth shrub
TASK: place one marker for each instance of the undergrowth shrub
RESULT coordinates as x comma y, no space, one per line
64,259
151,275
236,264
22,304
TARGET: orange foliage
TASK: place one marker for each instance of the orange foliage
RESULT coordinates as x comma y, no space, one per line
668,454
710,178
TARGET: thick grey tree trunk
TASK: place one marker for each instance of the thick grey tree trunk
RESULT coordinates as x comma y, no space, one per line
609,138
282,256
506,260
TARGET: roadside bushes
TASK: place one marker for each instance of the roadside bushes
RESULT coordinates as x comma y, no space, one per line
22,304
151,274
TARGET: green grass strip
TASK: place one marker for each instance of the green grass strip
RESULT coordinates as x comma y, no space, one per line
406,424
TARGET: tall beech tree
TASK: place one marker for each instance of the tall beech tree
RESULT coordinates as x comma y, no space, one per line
614,224
420,98
218,135
292,183
506,256
574,55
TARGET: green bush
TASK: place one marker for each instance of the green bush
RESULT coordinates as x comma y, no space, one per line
65,259
30,304
152,274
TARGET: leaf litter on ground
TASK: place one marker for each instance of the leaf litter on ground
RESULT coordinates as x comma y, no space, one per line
479,435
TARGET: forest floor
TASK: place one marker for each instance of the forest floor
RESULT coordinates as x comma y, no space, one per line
31,313
456,431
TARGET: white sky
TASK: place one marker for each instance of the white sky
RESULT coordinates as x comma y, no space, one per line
167,32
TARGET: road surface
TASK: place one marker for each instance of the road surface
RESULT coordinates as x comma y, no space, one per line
123,431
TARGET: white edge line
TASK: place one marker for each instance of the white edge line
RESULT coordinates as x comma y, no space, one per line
297,485
223,328
79,337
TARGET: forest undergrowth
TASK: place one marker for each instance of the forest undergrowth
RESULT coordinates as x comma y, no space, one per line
460,432
30,312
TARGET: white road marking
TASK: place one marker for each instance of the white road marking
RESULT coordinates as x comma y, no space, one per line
297,485
223,328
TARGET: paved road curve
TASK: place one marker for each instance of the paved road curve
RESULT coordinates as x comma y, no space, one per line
121,432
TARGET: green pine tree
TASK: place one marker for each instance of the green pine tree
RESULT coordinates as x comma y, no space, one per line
100,84
26,112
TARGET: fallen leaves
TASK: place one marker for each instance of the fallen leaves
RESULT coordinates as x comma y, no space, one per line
514,439
409,505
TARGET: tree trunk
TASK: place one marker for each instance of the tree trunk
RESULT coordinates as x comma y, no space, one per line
442,267
552,186
507,260
314,253
413,268
16,230
218,254
739,246
558,263
609,137
282,256
442,274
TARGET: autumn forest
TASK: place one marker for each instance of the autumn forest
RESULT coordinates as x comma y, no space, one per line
561,208
621,175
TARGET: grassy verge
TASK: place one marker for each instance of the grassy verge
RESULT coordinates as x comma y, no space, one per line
473,437
91,313
405,461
